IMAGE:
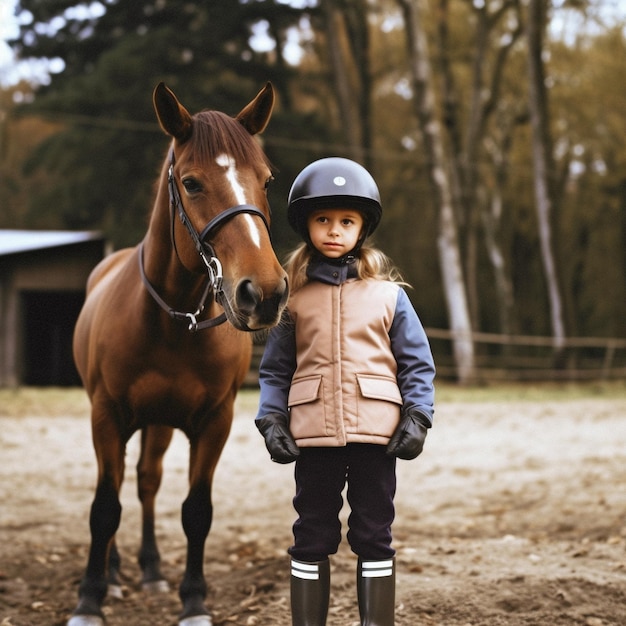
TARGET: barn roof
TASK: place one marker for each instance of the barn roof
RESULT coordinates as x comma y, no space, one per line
16,241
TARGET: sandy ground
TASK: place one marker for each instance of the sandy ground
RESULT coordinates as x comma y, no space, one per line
515,514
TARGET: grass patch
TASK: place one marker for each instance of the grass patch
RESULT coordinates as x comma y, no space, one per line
512,392
530,392
73,402
44,401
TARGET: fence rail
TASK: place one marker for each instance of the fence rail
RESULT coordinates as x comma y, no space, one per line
501,358
532,358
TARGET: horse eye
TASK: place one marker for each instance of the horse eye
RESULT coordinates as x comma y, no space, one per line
268,181
191,185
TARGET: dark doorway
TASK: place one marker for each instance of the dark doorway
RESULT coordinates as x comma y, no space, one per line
49,318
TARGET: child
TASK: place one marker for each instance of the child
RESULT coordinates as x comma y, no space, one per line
346,387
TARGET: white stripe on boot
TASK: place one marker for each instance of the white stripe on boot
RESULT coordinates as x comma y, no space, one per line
376,569
306,571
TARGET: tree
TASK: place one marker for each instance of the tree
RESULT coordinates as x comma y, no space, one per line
449,253
18,137
543,163
342,78
105,157
591,222
493,32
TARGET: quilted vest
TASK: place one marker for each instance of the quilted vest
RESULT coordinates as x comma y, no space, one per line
344,388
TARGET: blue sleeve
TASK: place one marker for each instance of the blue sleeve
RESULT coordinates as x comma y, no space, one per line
416,368
277,367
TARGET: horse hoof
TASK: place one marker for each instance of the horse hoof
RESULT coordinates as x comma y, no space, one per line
115,591
156,586
85,620
196,620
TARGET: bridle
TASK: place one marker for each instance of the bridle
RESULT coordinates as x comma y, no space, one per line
205,250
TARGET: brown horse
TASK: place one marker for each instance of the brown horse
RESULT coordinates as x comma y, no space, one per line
206,258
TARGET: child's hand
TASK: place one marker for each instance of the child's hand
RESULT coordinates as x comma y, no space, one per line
278,439
407,442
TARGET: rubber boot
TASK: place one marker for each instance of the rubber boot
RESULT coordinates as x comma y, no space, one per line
310,592
376,592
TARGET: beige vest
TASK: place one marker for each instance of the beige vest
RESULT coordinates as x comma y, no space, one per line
344,388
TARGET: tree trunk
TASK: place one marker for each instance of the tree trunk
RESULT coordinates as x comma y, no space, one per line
448,244
344,91
461,200
492,216
543,166
357,27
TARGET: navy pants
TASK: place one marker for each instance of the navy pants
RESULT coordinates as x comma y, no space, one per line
321,475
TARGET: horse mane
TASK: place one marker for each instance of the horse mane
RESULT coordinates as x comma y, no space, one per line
216,133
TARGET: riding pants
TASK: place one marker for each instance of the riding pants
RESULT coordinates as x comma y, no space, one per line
321,475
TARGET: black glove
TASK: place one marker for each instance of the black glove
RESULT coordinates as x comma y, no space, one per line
407,441
278,439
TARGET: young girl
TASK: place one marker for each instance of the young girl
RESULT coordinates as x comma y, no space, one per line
346,388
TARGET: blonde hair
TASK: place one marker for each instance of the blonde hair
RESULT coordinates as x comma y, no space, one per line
370,263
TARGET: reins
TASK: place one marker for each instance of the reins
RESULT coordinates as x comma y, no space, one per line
205,250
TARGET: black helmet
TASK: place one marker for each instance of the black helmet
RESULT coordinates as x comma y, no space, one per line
337,183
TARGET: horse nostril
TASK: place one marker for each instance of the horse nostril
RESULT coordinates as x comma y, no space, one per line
252,302
248,297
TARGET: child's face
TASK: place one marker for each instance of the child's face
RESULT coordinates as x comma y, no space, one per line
335,232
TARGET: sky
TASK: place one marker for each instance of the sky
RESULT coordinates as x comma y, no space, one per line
36,71
8,29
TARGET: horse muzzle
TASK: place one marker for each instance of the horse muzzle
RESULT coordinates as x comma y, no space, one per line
251,308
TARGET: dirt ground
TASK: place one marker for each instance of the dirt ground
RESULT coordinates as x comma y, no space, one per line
515,514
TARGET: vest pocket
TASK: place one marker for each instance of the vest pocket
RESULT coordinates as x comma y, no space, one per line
379,388
308,418
379,402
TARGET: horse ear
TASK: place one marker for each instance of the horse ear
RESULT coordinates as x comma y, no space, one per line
172,115
255,115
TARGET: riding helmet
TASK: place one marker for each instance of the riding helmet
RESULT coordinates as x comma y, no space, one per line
333,182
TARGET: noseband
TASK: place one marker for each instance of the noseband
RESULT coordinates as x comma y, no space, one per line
205,250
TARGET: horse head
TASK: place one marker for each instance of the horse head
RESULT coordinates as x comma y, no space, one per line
217,185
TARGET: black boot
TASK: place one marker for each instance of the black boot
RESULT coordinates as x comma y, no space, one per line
376,591
310,592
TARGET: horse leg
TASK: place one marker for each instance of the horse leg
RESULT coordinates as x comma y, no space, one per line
114,566
197,515
154,443
114,581
104,519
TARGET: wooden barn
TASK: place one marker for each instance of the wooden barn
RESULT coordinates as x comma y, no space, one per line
43,275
